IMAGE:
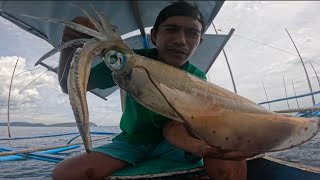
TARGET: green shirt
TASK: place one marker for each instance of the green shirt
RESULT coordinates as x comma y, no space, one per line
138,124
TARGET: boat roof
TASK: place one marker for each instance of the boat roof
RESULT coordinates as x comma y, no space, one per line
127,16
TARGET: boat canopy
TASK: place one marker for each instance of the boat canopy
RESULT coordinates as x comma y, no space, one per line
127,16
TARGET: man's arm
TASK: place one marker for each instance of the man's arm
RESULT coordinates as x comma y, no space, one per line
177,135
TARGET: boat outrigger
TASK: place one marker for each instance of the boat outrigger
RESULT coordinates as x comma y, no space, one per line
129,17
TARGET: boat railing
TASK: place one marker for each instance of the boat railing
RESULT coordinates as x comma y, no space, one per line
315,108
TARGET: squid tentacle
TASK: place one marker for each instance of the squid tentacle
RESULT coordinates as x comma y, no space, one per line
74,26
106,24
92,19
62,46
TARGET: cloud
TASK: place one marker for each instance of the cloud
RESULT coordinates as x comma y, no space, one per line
253,63
22,95
42,101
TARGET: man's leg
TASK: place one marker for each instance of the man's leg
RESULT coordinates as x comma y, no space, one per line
219,169
95,165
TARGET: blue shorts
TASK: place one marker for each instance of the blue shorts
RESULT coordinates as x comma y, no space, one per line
133,154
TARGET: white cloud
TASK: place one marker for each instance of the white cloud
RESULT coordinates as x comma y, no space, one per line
253,63
22,95
42,101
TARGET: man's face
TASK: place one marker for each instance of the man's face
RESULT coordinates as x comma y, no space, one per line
177,39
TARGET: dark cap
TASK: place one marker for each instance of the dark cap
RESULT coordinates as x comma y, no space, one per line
179,9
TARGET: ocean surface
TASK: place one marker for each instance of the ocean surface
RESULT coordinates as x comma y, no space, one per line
307,154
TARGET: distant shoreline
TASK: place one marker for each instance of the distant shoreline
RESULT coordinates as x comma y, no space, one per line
26,124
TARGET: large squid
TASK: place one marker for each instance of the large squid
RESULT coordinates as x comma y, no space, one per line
219,117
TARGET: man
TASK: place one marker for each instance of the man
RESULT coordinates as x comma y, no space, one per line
176,34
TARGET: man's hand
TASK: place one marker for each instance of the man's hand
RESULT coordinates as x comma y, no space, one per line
70,34
206,151
67,53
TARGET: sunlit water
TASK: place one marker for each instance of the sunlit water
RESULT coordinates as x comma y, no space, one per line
308,153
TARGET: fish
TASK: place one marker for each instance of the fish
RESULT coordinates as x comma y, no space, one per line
221,118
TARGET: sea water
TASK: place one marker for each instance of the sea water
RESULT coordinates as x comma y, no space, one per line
36,169
307,154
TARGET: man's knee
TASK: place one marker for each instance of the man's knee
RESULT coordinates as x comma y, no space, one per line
87,166
58,172
63,170
226,169
225,163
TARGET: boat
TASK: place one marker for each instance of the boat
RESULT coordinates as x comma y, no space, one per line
132,17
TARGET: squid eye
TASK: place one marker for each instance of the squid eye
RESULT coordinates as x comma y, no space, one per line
114,60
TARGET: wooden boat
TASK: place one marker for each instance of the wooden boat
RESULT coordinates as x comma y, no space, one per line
262,168
137,15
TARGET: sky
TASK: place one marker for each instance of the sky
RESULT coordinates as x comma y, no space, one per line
259,52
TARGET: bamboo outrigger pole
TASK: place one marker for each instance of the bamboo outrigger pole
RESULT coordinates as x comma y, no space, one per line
295,94
285,90
312,96
315,73
265,91
307,109
31,150
225,55
14,69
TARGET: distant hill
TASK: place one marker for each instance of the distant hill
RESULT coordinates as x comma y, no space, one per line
69,124
26,124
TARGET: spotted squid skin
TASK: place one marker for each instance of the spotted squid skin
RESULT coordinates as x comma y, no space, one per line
220,117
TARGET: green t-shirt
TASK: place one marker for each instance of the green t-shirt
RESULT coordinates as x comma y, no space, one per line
138,124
